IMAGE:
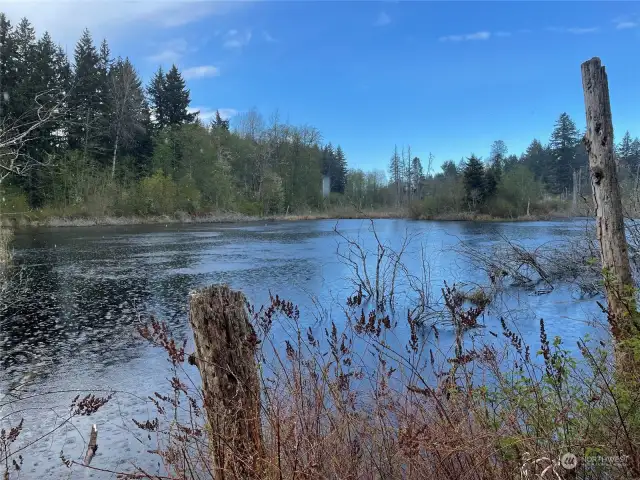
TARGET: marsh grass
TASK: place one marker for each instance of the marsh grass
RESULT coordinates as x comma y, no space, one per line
348,403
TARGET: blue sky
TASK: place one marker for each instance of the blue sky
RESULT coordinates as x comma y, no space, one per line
444,77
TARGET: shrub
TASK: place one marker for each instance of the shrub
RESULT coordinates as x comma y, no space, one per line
157,194
188,196
248,207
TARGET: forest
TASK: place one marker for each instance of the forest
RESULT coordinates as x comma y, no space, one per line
95,140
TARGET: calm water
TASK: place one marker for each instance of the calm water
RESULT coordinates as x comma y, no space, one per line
90,287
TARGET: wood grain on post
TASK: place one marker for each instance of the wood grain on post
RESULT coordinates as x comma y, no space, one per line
606,196
225,355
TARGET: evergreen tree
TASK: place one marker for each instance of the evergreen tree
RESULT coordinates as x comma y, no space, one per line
24,90
624,149
493,175
535,158
474,181
7,66
563,143
449,169
177,99
86,102
219,124
328,161
395,172
158,100
338,185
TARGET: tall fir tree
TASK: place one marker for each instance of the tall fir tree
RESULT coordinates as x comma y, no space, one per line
339,183
474,181
563,144
24,89
624,149
86,100
219,124
7,66
177,99
157,99
395,172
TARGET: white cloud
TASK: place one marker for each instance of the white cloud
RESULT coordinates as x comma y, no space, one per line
65,20
235,39
268,38
469,36
227,113
574,30
170,52
581,31
623,25
207,114
202,71
382,20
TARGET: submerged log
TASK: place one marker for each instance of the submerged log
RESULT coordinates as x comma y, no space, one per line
225,355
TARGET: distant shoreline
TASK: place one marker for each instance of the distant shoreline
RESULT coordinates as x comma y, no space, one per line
229,217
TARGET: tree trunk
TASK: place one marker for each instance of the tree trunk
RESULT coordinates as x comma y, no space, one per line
115,153
618,281
574,199
607,201
225,355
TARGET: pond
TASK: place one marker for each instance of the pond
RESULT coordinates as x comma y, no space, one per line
89,288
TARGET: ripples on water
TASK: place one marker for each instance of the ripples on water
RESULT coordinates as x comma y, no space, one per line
90,287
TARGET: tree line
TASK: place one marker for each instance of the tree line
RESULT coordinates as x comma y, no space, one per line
117,146
545,178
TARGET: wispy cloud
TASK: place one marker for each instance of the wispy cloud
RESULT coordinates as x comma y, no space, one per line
268,38
574,30
205,114
202,71
582,31
623,25
382,20
170,52
66,19
466,37
235,39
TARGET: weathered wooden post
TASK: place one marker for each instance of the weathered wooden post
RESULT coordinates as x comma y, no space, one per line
608,204
622,312
225,355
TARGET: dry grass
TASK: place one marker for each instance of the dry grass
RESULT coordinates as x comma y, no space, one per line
357,403
185,218
35,220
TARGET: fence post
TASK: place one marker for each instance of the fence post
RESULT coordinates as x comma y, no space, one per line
225,355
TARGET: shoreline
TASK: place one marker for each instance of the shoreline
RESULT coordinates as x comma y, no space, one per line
239,218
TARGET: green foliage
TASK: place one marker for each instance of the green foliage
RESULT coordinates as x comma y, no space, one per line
474,182
272,194
157,194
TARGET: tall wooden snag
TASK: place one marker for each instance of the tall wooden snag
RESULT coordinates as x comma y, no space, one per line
225,355
608,204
